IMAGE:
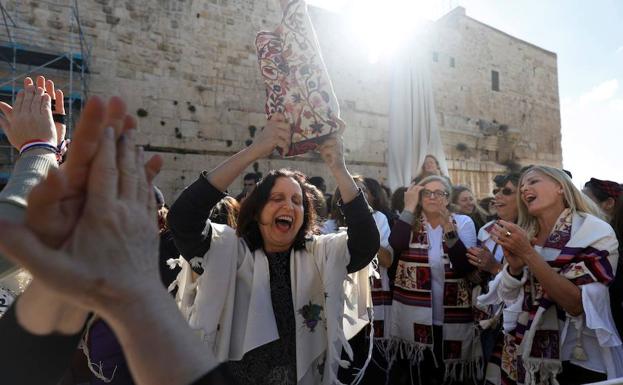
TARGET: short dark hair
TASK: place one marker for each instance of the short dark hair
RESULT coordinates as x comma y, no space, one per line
252,175
398,199
502,179
379,196
319,182
251,209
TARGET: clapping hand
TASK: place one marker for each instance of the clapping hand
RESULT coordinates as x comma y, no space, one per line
119,216
482,259
515,243
30,118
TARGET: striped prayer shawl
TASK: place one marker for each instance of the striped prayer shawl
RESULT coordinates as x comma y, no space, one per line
531,353
412,313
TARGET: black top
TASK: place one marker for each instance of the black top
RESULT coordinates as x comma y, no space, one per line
27,358
167,251
273,363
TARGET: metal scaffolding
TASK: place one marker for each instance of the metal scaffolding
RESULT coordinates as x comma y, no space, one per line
58,51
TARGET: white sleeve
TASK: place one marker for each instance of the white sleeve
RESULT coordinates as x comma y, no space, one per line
596,303
510,288
383,226
466,231
510,294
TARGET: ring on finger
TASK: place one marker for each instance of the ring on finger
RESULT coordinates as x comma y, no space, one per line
508,233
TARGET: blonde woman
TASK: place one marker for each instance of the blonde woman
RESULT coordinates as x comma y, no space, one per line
560,259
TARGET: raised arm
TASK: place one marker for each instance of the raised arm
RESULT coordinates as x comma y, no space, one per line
275,134
45,329
363,236
400,236
189,214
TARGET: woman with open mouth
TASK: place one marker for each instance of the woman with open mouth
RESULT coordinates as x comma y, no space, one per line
488,258
559,260
274,300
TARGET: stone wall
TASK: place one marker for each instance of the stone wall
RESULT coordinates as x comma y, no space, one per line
188,69
483,129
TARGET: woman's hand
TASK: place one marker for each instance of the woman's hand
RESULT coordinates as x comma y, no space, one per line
53,209
119,215
514,240
30,118
482,259
332,152
275,134
412,197
58,105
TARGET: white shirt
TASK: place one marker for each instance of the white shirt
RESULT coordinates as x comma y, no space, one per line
485,239
466,231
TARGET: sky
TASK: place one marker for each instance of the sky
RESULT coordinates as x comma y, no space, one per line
587,36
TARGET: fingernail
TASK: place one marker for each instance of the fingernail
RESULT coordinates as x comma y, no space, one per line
109,132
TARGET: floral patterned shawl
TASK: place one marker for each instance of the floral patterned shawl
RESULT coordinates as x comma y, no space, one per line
297,82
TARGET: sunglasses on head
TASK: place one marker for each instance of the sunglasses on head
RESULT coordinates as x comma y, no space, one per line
505,191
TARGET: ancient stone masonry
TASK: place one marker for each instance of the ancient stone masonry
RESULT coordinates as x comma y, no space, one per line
189,72
483,129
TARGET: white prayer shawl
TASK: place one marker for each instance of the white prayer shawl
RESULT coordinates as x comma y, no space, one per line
491,312
381,292
233,310
595,326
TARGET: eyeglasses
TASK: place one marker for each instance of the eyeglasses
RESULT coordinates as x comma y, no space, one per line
436,193
505,191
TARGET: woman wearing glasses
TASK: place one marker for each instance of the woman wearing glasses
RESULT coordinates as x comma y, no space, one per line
432,322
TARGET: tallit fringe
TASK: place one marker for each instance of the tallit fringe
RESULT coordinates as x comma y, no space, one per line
96,369
196,262
408,350
547,370
174,262
462,370
383,346
362,371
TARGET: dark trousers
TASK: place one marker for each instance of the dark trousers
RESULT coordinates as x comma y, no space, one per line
488,339
577,375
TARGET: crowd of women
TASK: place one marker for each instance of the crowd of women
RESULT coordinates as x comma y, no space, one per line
431,288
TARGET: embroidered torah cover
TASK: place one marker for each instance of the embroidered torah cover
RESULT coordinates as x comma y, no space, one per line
297,82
